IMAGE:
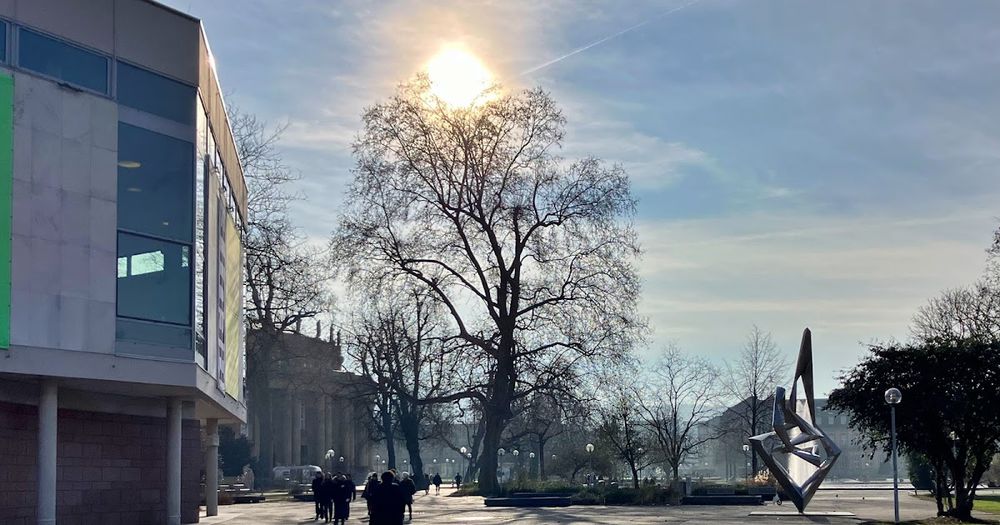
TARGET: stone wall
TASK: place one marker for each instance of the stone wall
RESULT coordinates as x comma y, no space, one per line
111,468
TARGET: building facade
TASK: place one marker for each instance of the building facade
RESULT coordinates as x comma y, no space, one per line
121,210
311,405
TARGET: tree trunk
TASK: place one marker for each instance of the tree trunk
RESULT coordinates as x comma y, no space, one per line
635,475
541,459
496,412
390,440
488,456
754,418
411,434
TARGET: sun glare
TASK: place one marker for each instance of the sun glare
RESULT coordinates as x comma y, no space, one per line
457,77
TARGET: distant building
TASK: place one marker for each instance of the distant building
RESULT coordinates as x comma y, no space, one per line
312,405
121,210
725,458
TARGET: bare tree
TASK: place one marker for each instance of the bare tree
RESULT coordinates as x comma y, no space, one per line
532,258
283,276
971,312
399,348
621,426
749,382
685,396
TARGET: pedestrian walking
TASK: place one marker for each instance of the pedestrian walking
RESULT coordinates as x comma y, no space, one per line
427,484
409,489
388,502
437,484
341,500
326,496
458,481
317,488
370,490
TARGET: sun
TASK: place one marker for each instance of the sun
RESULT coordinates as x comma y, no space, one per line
457,77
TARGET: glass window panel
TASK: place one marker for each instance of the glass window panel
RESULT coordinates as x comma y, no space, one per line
150,262
155,183
157,286
123,267
64,61
3,41
156,94
133,331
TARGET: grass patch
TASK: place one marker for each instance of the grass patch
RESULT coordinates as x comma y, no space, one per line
989,504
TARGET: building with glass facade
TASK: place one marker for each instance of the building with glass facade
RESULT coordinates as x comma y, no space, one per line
122,204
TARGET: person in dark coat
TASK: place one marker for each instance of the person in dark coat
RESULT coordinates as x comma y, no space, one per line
388,502
409,489
458,481
326,491
370,485
352,488
427,484
317,484
437,484
341,499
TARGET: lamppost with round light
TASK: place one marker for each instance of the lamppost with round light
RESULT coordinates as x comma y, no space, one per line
378,460
746,459
330,454
638,457
892,397
500,454
590,458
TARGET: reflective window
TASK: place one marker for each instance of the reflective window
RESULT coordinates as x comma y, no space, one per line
155,183
156,94
67,62
144,333
3,41
156,282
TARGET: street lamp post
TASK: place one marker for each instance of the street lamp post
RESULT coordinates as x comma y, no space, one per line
893,396
590,458
378,460
463,451
500,454
639,459
746,472
330,454
531,463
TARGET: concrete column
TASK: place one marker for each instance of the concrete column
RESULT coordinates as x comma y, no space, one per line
286,430
296,430
174,461
212,467
48,421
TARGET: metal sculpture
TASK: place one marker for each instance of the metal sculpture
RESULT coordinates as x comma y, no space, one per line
804,444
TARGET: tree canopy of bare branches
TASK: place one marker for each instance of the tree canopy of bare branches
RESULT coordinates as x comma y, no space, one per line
972,312
398,345
531,257
684,393
283,277
750,380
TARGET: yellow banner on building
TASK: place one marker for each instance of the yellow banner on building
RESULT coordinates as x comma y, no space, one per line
234,284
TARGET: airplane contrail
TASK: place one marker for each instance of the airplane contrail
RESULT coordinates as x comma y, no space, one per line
605,39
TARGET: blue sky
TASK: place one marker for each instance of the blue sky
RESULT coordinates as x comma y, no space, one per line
798,163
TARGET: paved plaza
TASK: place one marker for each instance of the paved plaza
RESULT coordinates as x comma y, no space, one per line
867,505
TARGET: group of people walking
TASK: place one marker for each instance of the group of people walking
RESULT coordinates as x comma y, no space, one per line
333,495
390,496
